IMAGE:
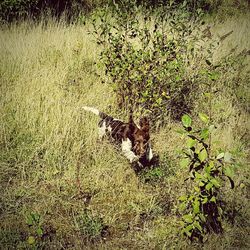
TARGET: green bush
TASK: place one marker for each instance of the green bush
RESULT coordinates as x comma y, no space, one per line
147,54
201,206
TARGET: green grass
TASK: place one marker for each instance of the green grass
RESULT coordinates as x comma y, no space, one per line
85,193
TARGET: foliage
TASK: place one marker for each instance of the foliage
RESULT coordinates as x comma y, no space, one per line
15,9
202,204
163,168
34,221
153,175
147,59
10,9
89,226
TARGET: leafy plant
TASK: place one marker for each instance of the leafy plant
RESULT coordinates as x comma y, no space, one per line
146,53
201,206
152,175
90,226
164,167
34,222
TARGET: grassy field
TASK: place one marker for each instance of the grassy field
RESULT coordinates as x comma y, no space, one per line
61,188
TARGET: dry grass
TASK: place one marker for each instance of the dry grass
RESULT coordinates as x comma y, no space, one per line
53,165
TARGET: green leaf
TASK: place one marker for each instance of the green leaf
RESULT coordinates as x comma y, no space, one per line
205,133
198,176
204,117
183,198
181,131
31,240
39,232
186,121
191,197
201,184
219,156
182,206
207,175
213,199
215,182
188,229
207,169
184,162
191,142
202,155
29,220
209,186
211,165
196,206
198,226
177,78
205,200
188,218
242,185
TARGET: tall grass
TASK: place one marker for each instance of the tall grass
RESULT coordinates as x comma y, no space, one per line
53,165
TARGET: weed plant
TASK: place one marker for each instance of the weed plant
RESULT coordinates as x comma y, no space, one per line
148,57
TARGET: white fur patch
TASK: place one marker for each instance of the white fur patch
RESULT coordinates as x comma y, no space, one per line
150,154
127,150
93,110
102,130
